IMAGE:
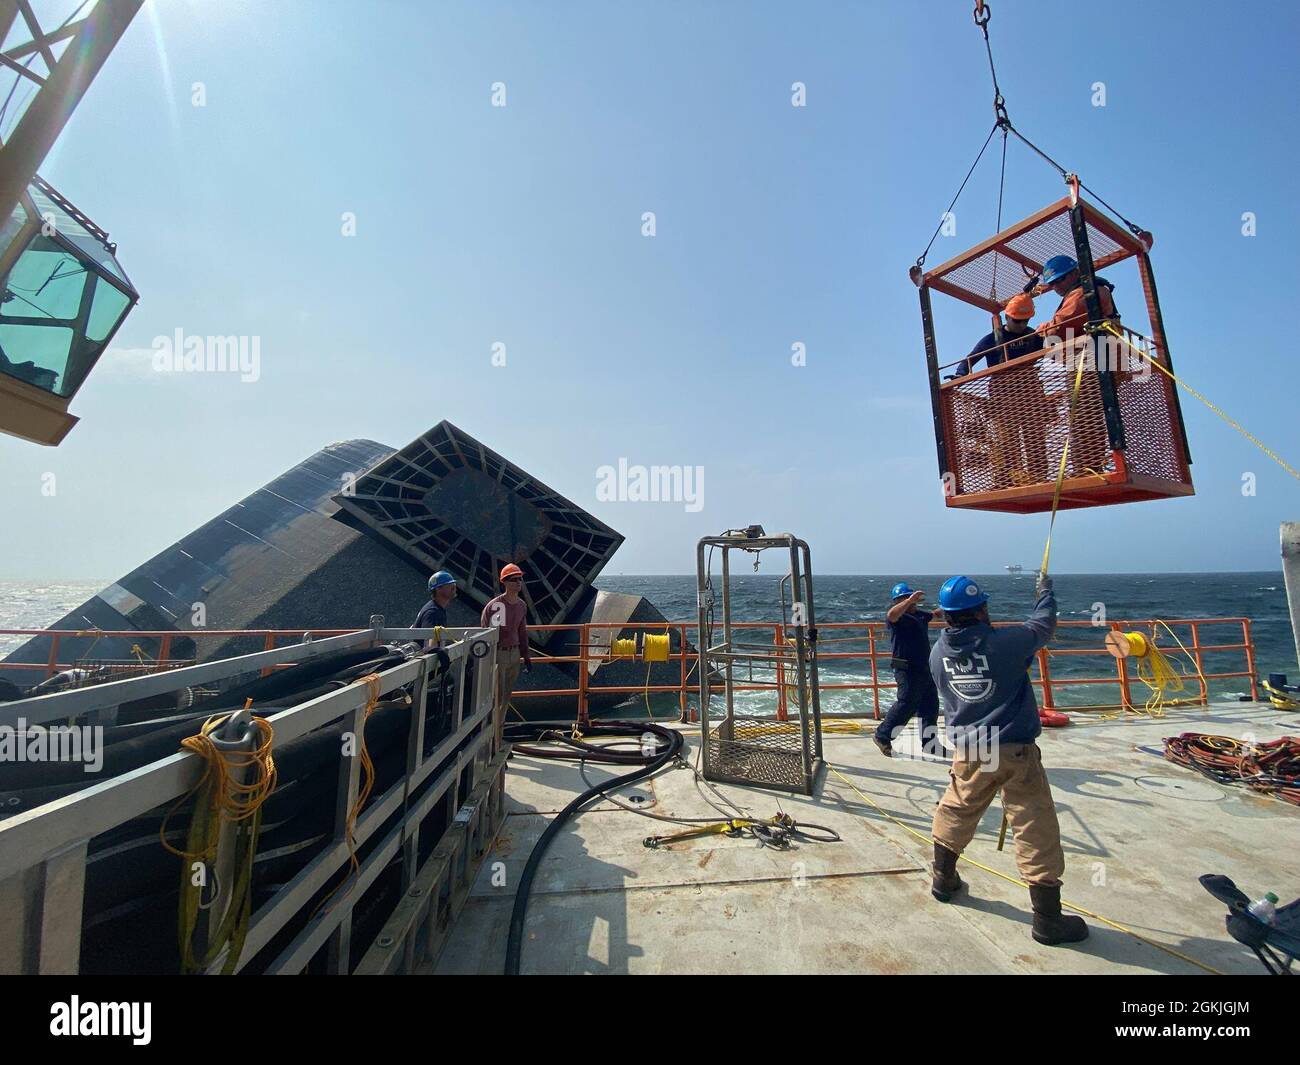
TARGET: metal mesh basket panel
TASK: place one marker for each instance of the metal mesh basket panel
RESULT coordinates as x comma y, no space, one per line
1152,437
1007,428
998,276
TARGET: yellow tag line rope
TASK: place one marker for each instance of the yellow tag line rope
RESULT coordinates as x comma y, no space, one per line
1013,880
1188,388
1060,472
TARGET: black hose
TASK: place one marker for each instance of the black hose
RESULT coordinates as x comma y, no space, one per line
669,748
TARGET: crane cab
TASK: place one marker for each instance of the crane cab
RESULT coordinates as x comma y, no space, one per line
1000,431
64,296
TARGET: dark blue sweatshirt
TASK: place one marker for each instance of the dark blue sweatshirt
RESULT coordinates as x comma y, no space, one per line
982,674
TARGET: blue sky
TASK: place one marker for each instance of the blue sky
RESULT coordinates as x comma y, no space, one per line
521,225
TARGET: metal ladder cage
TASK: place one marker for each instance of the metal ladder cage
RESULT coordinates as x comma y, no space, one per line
747,745
1000,431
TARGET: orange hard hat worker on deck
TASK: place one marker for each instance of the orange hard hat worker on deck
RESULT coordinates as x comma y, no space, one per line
508,614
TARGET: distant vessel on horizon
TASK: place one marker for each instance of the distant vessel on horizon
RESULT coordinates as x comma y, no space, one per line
1015,567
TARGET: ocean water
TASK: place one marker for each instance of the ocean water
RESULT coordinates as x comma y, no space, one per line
1260,597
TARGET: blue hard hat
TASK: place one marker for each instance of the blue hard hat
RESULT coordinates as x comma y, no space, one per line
961,593
899,590
1057,267
442,577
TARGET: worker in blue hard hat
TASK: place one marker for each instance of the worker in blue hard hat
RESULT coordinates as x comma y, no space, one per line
1061,275
442,590
991,718
909,628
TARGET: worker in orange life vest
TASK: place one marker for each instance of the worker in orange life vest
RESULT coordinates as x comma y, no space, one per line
1088,449
1061,275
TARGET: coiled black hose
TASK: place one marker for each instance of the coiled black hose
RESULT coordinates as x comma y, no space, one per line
667,749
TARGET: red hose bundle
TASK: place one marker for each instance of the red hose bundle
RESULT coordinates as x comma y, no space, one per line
1272,767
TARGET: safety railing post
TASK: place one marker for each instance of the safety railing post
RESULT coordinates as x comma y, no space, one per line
268,644
681,691
414,759
875,677
164,650
1045,671
1250,659
1125,681
52,666
349,785
1200,667
584,653
782,711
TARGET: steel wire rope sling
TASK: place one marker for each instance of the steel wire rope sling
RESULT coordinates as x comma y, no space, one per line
981,15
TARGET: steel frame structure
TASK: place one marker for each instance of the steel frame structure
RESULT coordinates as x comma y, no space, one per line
734,752
43,852
1017,249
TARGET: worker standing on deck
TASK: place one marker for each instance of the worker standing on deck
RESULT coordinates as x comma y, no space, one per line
442,590
909,627
508,613
982,675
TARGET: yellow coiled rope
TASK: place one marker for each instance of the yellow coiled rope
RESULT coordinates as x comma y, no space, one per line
220,795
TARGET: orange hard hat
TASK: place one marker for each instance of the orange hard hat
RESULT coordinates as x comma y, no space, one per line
1020,306
511,570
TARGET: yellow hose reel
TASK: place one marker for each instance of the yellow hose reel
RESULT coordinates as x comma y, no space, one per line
1153,668
654,647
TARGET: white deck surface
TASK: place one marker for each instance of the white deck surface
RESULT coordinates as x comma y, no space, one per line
1138,831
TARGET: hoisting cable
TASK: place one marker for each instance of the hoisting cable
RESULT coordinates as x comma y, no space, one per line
920,261
981,14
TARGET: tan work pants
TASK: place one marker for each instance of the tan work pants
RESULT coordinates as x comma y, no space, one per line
1027,799
507,675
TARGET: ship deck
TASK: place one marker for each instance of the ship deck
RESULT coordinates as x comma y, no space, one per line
1138,831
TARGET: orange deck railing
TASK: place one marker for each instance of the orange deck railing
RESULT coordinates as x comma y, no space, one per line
869,675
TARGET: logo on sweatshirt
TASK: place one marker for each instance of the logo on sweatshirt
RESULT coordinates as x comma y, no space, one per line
969,677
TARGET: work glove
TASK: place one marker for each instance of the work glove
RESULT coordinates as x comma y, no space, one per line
1044,584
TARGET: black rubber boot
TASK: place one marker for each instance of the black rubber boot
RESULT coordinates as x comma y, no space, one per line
886,748
1050,925
946,882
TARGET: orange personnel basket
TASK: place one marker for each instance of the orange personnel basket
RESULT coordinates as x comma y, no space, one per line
1000,431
